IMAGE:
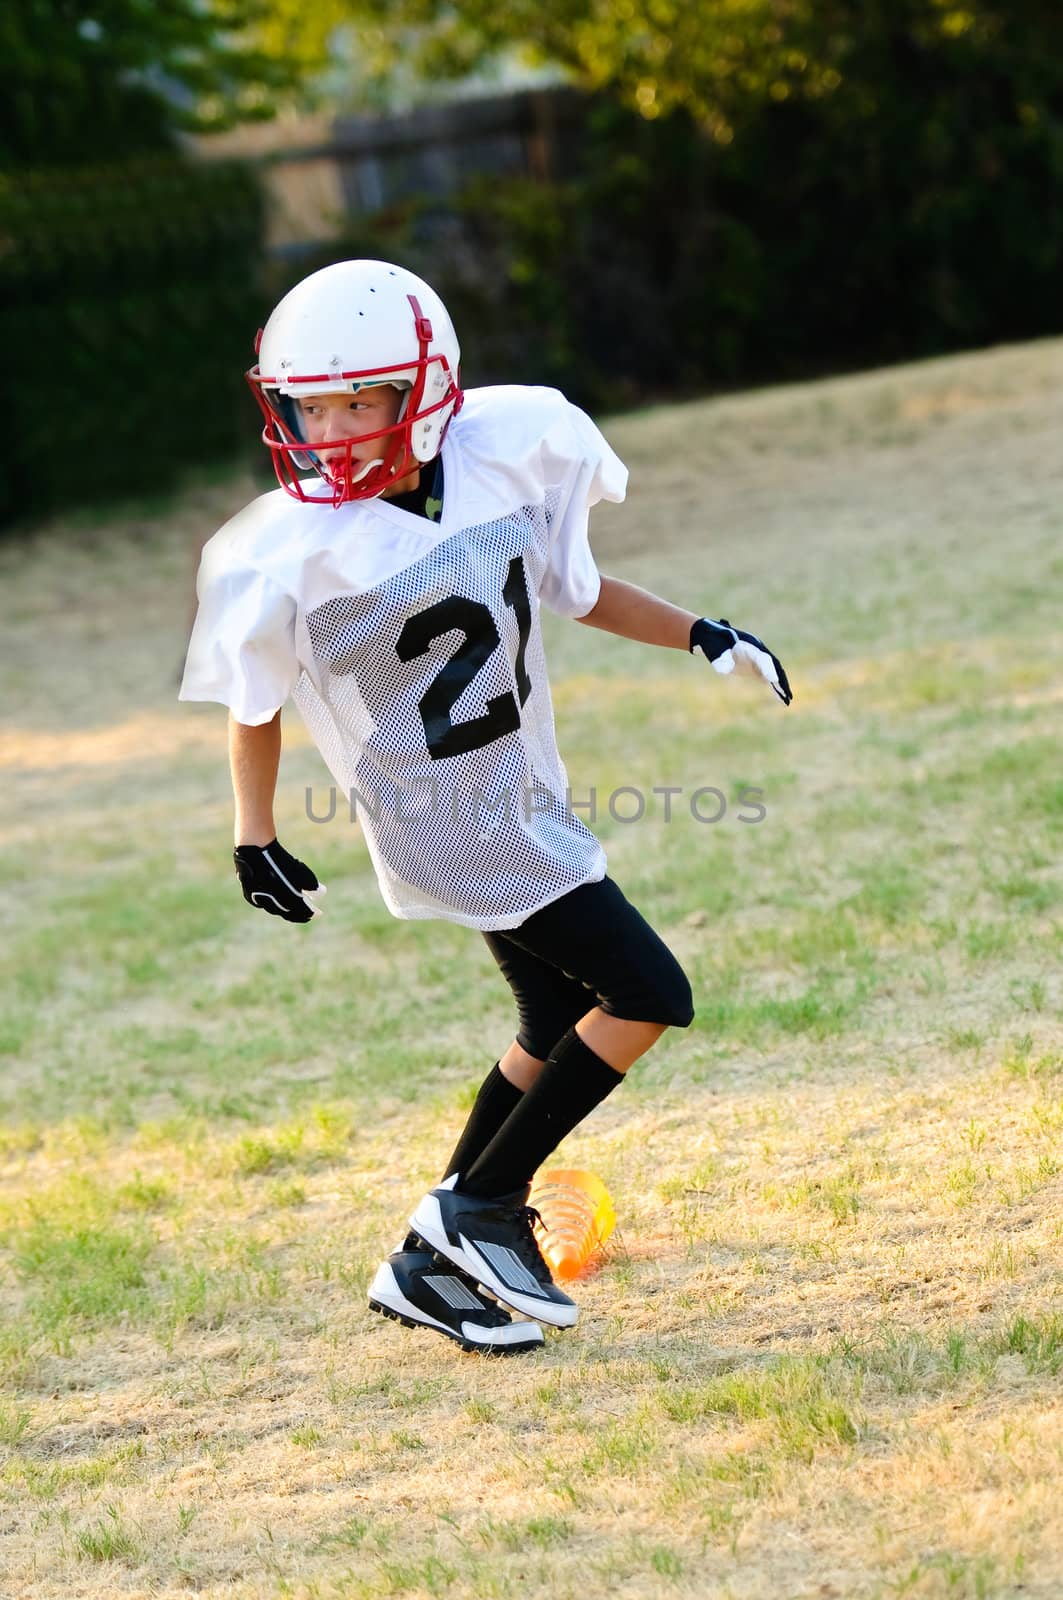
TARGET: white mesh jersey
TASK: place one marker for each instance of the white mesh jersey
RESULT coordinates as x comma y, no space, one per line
414,653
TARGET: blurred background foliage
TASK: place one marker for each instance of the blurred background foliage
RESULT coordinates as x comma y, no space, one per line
91,83
751,189
124,312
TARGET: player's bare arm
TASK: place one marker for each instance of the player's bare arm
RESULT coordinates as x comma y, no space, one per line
254,760
271,877
633,613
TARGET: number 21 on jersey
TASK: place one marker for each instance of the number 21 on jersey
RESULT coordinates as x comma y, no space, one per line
444,736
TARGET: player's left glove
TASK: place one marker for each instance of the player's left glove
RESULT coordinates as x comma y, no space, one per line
276,881
731,650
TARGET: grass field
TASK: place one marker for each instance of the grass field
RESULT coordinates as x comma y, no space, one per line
825,1356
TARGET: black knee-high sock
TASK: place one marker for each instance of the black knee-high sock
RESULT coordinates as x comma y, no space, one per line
573,1081
497,1097
495,1102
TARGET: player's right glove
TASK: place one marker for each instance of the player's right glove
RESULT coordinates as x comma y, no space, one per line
731,650
277,882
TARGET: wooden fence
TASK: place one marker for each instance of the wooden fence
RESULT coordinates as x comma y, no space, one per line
364,164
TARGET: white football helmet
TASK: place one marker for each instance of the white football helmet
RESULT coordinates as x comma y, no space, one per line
348,326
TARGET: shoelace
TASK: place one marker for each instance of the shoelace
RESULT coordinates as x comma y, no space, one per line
528,1247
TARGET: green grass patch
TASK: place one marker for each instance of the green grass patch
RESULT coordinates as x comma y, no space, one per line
93,1274
1022,1061
1039,1339
795,1395
110,1538
321,1137
45,1481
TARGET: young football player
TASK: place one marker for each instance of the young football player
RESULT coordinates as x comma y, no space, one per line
391,587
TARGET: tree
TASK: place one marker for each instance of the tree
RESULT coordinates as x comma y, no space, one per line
720,60
89,82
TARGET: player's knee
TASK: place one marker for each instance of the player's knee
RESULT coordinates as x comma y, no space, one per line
677,1001
669,1003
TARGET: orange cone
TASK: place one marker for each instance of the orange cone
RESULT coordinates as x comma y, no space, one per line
577,1218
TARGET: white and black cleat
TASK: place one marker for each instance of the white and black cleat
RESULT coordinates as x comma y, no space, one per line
421,1291
494,1242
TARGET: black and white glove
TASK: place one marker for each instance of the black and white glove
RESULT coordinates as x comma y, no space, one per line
277,882
731,650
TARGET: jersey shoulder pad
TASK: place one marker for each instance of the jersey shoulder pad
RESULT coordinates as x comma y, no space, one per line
265,536
533,432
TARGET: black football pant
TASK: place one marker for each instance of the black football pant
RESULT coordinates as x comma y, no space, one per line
589,948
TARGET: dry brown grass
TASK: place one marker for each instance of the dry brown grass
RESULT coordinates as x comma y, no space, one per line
824,1358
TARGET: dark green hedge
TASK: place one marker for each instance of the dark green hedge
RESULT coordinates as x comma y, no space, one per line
128,303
